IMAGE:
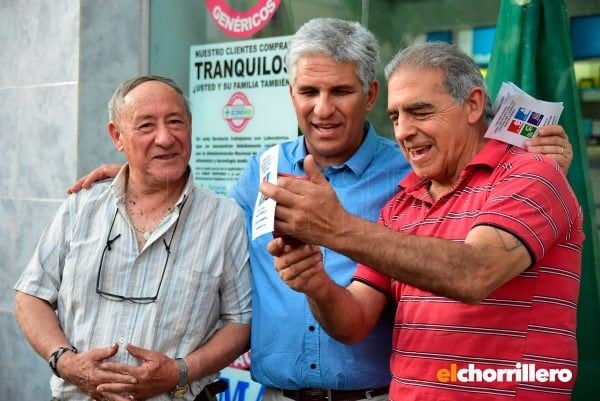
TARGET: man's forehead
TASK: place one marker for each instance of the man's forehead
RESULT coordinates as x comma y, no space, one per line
319,70
147,90
151,99
407,82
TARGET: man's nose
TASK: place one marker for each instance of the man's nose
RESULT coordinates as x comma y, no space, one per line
404,128
164,136
324,106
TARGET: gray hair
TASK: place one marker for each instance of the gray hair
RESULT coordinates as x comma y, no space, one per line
461,74
341,40
118,98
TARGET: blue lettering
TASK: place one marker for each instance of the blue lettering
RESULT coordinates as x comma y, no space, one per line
238,395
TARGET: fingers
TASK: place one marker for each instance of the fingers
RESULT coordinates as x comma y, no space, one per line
303,275
121,372
277,247
117,382
269,190
295,255
73,189
293,263
100,354
550,139
103,172
139,353
552,130
110,390
115,372
553,142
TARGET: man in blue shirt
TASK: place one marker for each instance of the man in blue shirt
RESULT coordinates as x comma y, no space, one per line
331,65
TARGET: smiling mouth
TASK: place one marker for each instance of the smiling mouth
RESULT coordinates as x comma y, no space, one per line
328,129
416,151
165,157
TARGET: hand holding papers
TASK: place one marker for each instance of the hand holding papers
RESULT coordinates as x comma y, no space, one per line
519,115
263,219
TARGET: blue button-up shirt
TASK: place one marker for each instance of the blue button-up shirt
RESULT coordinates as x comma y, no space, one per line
290,350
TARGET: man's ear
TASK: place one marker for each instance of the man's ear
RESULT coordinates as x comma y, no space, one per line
115,135
476,105
372,95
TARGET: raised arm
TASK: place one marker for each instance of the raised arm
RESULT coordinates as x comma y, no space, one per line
466,271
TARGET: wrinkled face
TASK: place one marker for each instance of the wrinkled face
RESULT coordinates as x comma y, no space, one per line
154,132
437,136
331,107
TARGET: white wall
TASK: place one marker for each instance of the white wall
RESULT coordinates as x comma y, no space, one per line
60,62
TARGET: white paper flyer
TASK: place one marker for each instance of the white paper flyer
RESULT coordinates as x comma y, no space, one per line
263,219
518,116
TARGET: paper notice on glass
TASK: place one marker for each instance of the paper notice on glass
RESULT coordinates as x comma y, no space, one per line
263,218
518,116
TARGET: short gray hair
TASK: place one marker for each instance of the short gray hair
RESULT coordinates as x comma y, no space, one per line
118,98
461,74
343,41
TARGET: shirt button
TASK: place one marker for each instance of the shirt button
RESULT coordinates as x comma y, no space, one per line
311,328
122,340
313,366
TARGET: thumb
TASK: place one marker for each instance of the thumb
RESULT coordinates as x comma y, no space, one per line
139,353
277,247
313,171
99,354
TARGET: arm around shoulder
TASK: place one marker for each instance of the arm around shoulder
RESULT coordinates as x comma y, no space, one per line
101,173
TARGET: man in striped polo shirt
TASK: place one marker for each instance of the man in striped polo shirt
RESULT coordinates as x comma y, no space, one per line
481,248
139,289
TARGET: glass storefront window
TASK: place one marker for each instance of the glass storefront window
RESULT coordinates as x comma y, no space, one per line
176,26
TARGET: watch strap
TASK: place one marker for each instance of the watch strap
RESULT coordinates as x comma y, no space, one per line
55,356
182,386
182,372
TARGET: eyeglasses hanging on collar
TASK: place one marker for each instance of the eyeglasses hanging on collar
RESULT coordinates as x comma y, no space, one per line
108,247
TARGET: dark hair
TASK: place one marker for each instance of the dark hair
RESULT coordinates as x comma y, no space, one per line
461,74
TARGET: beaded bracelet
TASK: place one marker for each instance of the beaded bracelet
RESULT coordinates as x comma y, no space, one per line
53,361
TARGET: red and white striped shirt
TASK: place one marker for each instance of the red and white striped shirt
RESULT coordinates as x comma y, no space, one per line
447,350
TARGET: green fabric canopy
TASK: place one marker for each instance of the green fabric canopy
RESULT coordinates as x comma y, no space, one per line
532,49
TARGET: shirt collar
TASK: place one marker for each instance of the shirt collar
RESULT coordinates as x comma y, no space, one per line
118,186
358,162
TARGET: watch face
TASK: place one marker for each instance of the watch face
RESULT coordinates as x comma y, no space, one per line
179,392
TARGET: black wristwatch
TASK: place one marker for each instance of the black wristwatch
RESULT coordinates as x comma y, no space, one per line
182,386
53,360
